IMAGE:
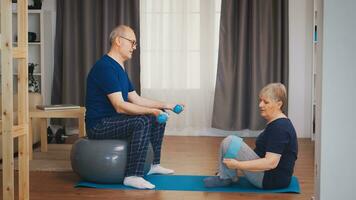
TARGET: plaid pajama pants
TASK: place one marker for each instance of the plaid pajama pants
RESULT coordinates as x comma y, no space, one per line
140,129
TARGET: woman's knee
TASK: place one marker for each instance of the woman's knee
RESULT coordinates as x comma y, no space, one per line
228,139
225,144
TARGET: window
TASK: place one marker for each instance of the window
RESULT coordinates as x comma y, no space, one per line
179,47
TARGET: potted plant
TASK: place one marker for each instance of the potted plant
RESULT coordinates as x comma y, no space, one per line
14,5
33,84
37,4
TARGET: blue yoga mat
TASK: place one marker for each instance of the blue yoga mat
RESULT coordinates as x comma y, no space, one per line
194,183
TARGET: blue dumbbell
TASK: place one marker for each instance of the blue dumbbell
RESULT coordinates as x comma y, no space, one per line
178,109
162,118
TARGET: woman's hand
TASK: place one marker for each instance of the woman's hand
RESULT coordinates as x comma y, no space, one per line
231,163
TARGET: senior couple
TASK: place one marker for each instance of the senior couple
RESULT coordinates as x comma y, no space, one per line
115,111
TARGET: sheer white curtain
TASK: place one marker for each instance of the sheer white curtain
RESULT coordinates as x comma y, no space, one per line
179,47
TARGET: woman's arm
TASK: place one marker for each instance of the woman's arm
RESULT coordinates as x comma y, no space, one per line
270,161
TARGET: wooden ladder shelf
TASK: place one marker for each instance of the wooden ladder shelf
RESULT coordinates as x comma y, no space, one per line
9,130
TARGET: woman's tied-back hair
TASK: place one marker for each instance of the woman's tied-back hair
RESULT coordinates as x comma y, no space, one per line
276,92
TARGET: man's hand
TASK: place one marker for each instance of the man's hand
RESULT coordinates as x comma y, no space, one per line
170,106
156,112
231,163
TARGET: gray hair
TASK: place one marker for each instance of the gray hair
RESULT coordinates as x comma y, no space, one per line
117,31
276,92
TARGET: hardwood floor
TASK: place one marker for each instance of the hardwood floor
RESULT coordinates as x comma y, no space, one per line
186,155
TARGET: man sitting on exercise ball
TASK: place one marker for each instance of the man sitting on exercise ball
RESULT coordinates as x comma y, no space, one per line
115,111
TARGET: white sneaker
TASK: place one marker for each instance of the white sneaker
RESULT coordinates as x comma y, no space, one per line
138,182
158,169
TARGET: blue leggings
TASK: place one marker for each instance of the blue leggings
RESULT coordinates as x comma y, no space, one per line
140,129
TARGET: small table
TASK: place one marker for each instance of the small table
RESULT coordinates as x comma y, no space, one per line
43,115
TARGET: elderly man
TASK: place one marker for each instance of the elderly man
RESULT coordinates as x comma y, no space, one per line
116,111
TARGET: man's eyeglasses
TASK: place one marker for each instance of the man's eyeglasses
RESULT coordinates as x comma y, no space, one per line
133,42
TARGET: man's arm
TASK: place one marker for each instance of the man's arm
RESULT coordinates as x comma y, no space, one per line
270,161
141,101
128,108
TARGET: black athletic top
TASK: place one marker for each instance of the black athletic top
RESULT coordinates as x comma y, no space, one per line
278,137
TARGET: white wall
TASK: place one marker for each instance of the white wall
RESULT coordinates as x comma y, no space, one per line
300,65
50,5
338,135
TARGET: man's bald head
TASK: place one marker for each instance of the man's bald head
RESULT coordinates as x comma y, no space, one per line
121,30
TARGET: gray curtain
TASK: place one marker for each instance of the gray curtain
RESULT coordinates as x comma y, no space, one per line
253,51
82,37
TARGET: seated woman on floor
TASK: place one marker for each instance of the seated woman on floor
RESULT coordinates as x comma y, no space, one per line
270,165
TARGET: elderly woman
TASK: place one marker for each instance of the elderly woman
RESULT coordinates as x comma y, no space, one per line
270,165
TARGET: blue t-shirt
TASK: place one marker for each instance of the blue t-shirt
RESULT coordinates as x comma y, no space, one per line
106,77
278,137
